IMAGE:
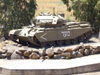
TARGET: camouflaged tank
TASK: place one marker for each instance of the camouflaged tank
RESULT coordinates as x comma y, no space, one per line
48,29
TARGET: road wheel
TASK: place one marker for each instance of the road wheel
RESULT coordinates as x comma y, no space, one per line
52,43
81,38
60,42
44,44
88,34
67,42
74,41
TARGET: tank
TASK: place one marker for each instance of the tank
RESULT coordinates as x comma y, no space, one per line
52,29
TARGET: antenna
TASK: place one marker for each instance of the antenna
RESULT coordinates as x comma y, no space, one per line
53,11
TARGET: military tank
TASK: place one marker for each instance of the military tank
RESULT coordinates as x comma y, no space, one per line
52,29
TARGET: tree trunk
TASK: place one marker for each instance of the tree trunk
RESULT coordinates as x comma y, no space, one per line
5,24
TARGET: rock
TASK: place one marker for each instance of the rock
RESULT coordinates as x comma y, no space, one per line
22,49
94,51
15,56
4,45
15,44
3,55
81,51
81,46
1,45
26,53
55,56
10,52
67,54
42,57
68,50
79,54
60,56
87,47
50,52
11,42
76,48
19,52
58,50
42,52
3,51
34,56
19,45
6,41
73,54
30,50
47,57
98,47
86,52
35,51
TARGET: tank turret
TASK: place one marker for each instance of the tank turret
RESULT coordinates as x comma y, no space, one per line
49,20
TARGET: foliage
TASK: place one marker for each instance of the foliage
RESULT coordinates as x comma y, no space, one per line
85,10
15,13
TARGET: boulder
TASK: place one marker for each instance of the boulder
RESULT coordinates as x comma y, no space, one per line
73,54
68,50
3,56
19,52
49,52
1,45
76,48
58,50
67,54
86,52
10,52
42,57
19,45
34,56
26,53
47,57
42,52
81,51
94,51
15,44
30,50
98,47
79,54
60,56
6,42
11,42
15,56
22,49
87,47
3,50
81,46
35,50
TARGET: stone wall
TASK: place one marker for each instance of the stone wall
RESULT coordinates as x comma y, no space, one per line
49,53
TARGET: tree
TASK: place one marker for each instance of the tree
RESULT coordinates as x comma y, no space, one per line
15,13
85,10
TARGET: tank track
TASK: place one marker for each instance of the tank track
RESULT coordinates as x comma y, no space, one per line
82,38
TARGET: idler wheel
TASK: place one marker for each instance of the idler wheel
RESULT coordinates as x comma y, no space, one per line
67,42
13,37
81,38
74,41
44,44
51,43
60,42
88,34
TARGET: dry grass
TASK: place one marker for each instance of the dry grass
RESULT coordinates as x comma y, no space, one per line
47,6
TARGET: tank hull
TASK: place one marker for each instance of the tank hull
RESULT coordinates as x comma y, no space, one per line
61,34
